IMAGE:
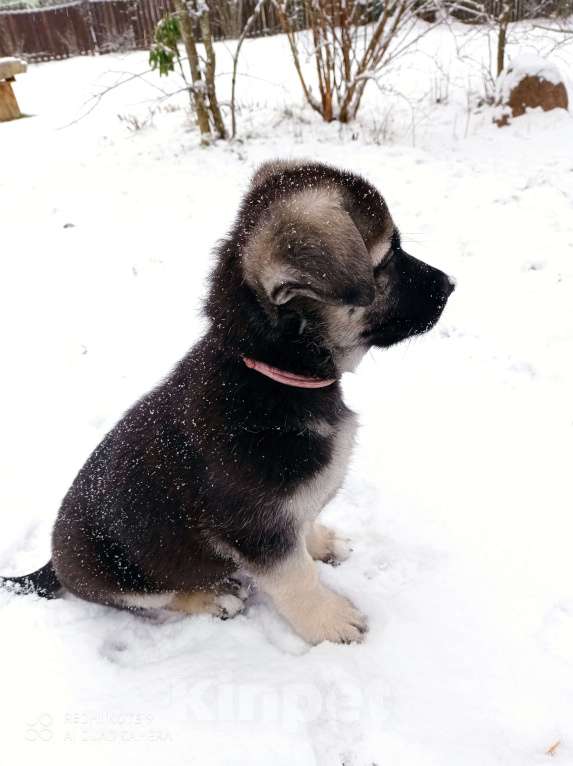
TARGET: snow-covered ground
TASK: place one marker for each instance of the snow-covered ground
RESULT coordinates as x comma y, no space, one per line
458,502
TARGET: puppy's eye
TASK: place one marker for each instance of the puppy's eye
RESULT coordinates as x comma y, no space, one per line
379,268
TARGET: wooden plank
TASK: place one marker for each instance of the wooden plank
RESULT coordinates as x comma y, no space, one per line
10,67
9,109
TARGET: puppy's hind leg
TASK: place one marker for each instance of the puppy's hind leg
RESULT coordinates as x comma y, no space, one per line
224,602
315,612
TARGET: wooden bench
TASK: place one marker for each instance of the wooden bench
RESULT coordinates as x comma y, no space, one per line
9,68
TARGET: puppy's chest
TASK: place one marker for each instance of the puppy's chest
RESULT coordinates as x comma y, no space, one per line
307,500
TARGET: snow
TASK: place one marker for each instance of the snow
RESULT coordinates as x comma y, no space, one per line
522,66
458,502
9,67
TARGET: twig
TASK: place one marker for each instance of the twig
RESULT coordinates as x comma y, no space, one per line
97,98
552,749
554,29
246,29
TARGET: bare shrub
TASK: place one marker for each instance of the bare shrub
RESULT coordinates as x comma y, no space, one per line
134,123
350,43
497,15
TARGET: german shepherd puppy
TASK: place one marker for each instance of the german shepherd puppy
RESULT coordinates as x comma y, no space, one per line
225,466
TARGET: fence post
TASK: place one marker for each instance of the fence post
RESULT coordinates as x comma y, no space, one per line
89,22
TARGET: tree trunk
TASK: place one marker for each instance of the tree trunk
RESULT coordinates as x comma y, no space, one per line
205,25
198,85
501,40
503,23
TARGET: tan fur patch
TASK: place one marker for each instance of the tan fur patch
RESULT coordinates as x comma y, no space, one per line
381,249
206,602
311,496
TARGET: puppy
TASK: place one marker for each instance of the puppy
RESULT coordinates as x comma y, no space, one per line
225,466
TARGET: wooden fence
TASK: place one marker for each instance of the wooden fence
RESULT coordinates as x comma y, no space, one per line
101,26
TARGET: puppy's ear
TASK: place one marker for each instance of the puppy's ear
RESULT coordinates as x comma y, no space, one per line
309,246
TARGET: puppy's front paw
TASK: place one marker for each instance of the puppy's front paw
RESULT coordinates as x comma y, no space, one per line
324,544
333,618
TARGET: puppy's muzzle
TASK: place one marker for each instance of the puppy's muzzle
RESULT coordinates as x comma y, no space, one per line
418,295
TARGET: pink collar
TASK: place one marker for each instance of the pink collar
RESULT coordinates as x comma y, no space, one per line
288,378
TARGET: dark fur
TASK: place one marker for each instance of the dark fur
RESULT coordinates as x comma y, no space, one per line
199,466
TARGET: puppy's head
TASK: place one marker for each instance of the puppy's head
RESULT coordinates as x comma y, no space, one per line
321,254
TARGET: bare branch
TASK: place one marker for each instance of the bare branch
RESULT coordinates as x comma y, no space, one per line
246,29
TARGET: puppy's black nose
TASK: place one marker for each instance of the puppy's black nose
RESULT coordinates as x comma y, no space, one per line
449,285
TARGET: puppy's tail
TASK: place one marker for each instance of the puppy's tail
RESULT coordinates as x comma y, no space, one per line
43,582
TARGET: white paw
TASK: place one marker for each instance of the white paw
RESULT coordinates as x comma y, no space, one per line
339,549
324,544
334,618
